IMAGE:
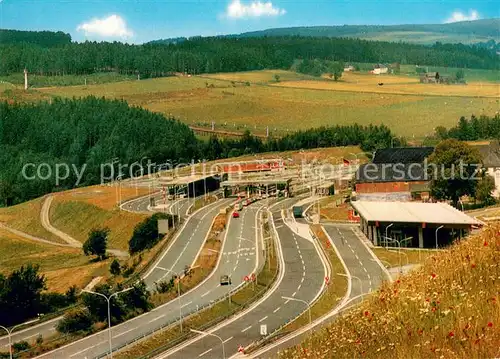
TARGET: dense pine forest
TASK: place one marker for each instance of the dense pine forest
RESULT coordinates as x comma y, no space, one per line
221,54
85,134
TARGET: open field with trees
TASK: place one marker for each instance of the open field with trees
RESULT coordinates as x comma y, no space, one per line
283,106
449,308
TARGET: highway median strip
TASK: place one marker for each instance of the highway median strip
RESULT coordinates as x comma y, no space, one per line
214,314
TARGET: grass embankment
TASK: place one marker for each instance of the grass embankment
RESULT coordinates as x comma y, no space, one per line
77,212
390,256
335,290
450,308
36,81
61,266
207,318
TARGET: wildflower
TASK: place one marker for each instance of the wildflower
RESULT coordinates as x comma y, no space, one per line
485,244
451,335
433,275
367,313
490,324
473,265
467,326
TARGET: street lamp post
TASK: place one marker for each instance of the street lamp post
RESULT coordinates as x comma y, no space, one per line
178,295
212,335
360,282
11,330
399,250
387,228
437,229
108,299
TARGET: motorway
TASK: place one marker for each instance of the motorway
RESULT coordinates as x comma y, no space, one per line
196,228
359,263
302,277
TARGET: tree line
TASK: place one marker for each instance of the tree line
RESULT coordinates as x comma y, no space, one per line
225,54
476,128
87,140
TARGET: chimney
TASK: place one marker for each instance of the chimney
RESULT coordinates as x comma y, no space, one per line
25,79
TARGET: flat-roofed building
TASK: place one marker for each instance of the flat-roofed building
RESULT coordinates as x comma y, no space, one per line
413,224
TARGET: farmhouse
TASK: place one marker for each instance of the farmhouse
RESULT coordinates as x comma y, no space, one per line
412,224
395,174
379,69
490,154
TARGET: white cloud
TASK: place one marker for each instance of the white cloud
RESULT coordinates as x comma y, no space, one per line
237,10
111,26
461,16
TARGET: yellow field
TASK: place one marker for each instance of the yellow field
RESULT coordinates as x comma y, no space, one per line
63,267
402,85
297,102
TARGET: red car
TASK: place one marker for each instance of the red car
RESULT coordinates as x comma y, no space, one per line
236,215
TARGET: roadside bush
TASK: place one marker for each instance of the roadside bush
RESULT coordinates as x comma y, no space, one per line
21,346
75,321
145,234
115,268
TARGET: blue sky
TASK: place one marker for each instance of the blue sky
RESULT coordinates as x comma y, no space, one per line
138,21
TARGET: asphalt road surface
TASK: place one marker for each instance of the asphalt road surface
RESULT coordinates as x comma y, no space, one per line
359,262
237,249
302,279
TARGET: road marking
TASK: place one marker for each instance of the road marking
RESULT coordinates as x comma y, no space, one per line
293,295
31,336
155,319
206,293
298,288
128,331
162,268
244,330
302,280
278,227
262,319
205,352
364,268
80,352
186,304
274,311
228,339
356,257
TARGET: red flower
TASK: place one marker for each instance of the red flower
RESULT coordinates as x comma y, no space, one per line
427,300
467,326
367,313
473,265
398,281
490,324
420,331
476,341
451,335
433,309
433,275
485,244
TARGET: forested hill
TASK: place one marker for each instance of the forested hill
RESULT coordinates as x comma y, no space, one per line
209,55
464,31
41,38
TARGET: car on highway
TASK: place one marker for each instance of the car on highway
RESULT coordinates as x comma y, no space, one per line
236,215
225,280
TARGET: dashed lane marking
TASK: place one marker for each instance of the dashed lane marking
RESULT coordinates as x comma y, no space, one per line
244,330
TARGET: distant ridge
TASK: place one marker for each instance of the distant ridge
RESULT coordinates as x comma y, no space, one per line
466,32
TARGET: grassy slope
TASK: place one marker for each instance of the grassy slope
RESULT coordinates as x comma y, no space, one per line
358,98
62,266
77,212
448,309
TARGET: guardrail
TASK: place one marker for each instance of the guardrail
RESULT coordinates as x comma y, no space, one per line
189,315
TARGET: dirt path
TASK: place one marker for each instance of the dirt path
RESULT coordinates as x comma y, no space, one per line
45,220
30,237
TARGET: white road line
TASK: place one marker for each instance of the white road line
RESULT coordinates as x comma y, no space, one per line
262,319
205,293
298,288
162,268
228,339
205,352
293,295
356,257
186,304
80,352
274,311
155,319
128,331
244,330
364,268
278,227
31,336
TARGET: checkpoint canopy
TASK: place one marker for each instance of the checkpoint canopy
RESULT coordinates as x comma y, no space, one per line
414,224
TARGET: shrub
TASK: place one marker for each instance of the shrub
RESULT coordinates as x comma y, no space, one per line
21,346
115,268
75,321
145,234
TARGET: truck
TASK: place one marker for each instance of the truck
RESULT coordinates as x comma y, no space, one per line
297,211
